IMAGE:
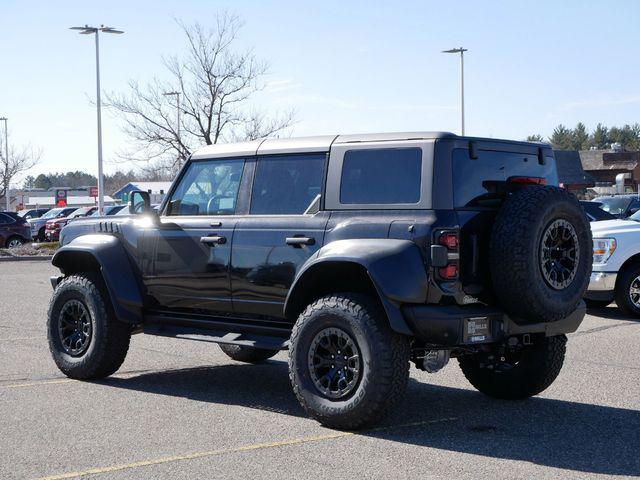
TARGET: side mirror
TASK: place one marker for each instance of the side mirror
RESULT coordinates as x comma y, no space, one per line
139,202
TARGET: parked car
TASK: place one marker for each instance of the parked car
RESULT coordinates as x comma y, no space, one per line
620,206
127,210
38,225
594,211
108,210
357,253
53,227
33,213
14,230
616,265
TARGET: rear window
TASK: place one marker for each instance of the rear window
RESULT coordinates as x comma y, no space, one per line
383,176
480,182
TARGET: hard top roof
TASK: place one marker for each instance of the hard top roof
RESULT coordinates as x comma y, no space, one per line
320,143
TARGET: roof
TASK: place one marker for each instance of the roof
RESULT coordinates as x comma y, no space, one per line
321,143
570,170
608,160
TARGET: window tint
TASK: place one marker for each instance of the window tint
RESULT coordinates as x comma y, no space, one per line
5,219
481,181
287,184
381,176
208,187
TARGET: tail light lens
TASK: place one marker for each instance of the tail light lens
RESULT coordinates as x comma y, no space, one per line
451,240
528,180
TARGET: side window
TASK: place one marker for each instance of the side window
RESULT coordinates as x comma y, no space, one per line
209,187
381,176
286,184
4,219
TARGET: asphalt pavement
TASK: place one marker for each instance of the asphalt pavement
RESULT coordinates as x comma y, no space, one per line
182,409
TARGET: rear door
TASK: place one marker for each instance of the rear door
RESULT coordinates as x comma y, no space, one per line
277,237
186,259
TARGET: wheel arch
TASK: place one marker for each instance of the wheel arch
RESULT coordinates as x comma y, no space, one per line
391,271
105,255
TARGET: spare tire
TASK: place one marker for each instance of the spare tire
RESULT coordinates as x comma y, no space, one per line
541,254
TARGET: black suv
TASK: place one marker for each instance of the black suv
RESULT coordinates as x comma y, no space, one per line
357,253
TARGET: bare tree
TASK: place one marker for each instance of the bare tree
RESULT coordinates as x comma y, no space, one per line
215,83
20,160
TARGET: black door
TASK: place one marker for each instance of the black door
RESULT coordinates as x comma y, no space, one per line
272,243
191,250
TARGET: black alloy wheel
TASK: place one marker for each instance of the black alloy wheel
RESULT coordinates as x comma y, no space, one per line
559,254
74,327
334,363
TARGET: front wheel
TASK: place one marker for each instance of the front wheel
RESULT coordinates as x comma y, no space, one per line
85,339
627,291
347,367
516,374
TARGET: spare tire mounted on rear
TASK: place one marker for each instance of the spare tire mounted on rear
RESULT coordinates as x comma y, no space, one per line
541,253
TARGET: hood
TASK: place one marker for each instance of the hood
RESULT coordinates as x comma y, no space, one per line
611,227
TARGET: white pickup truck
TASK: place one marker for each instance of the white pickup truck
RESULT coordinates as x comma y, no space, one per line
616,264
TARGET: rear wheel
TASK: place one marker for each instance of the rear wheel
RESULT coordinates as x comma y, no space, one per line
13,242
517,373
245,354
347,367
41,235
85,339
627,292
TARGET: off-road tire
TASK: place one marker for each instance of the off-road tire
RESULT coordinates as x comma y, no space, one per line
623,284
515,254
384,370
246,354
596,303
538,367
109,340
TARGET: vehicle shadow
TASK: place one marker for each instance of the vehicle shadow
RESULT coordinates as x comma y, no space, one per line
555,433
612,312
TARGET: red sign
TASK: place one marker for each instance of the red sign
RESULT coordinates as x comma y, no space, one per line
61,198
93,191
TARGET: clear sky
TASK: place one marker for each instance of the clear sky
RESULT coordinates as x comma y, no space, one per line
345,66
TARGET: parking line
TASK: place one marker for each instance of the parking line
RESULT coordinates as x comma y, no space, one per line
42,382
240,449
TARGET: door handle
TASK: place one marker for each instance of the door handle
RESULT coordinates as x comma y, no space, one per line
299,241
213,240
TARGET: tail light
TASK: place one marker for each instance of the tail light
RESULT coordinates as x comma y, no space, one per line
450,239
528,180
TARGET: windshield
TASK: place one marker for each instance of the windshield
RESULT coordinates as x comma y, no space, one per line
52,213
614,205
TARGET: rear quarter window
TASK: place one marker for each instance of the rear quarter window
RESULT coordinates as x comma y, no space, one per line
383,176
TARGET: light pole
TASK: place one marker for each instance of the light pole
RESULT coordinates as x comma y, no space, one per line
87,30
177,95
6,159
461,52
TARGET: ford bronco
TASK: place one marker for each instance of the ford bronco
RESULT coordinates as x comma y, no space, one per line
358,254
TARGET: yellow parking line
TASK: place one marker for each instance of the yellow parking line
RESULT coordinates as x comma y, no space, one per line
243,448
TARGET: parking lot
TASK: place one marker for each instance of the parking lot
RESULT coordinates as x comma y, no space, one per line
180,409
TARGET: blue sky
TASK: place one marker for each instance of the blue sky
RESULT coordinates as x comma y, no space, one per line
344,66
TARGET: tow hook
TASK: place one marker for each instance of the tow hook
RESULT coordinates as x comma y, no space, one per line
526,339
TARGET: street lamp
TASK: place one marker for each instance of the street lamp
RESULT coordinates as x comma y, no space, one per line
177,95
6,159
87,30
461,52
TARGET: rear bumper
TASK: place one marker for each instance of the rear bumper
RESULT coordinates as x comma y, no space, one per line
470,325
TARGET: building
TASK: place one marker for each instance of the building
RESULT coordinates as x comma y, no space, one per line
156,190
605,165
21,199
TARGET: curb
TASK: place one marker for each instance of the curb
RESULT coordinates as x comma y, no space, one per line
26,258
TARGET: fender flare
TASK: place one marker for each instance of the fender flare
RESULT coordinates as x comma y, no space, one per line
395,267
106,254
